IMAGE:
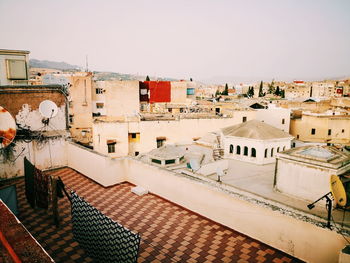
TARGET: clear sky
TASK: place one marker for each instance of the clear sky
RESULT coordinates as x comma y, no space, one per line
210,40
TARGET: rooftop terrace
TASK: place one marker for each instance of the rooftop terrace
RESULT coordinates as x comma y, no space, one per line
169,232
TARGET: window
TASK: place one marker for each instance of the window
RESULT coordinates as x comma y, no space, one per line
111,148
284,148
278,149
160,142
313,131
231,148
71,118
156,161
265,153
297,136
253,154
329,132
283,121
238,150
245,151
137,153
170,161
244,119
272,152
99,105
133,135
99,91
342,131
16,69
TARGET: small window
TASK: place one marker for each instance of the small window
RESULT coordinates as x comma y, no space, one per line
245,151
238,150
244,119
160,142
16,69
156,161
111,148
99,105
284,148
342,131
133,135
283,121
313,131
231,148
170,161
71,118
99,91
272,152
265,153
329,132
253,154
297,136
137,153
278,149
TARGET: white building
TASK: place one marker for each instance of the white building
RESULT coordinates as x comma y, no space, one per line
305,172
14,65
254,141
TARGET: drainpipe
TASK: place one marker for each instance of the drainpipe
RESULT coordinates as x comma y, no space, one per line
275,174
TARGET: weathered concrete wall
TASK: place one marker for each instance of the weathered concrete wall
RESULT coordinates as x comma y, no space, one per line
48,154
14,102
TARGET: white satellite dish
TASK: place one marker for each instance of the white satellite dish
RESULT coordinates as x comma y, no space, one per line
194,164
48,109
7,128
220,171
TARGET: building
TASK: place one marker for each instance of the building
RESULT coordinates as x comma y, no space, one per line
331,127
14,67
80,107
118,138
116,99
304,172
254,141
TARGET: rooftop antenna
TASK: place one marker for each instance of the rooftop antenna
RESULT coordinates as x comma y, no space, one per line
86,63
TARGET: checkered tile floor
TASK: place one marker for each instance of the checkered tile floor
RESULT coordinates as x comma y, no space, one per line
169,233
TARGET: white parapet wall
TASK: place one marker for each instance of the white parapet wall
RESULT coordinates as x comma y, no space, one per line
275,226
294,232
102,169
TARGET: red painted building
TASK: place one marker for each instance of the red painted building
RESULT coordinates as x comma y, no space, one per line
157,91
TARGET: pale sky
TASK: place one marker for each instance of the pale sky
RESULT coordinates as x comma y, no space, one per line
206,40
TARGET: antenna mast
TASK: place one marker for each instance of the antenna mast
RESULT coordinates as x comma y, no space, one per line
87,64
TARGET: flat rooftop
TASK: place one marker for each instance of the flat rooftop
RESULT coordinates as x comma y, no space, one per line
169,233
258,180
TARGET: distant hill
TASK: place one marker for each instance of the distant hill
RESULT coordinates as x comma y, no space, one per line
35,63
99,75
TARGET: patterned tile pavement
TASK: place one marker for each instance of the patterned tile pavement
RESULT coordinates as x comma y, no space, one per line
169,233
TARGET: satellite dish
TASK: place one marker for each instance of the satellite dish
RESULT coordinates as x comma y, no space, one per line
338,190
48,109
220,171
7,128
194,165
